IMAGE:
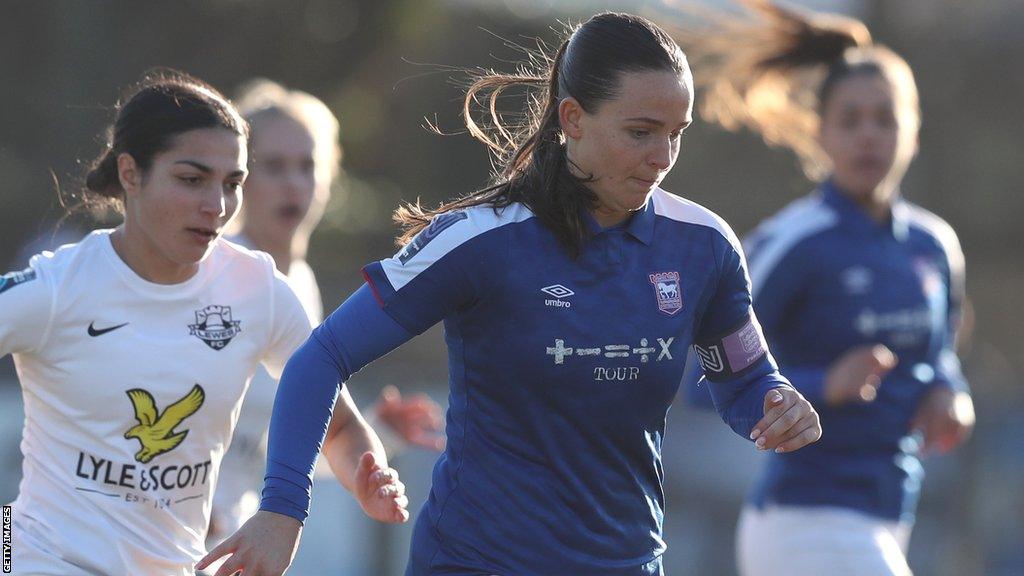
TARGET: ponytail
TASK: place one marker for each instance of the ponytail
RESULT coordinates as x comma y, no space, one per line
760,73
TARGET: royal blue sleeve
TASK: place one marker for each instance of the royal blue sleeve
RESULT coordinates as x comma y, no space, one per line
357,333
695,385
731,348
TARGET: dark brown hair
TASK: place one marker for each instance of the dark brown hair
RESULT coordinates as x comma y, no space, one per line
529,158
162,105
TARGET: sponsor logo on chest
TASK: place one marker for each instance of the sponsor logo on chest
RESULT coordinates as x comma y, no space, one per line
559,292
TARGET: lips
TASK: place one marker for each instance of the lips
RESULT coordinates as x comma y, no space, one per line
204,234
290,211
868,163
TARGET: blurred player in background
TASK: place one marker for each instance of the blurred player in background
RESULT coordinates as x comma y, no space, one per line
295,157
570,290
858,290
134,348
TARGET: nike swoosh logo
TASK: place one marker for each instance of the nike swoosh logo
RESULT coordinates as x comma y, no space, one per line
101,331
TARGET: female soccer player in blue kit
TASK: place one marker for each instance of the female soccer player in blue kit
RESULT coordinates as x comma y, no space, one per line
570,291
858,290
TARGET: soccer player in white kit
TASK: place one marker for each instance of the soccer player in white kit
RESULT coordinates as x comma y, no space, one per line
134,349
294,159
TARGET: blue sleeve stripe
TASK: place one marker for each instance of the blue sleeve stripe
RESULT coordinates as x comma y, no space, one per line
776,237
443,236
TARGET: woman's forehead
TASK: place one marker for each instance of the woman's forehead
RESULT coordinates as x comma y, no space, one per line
661,95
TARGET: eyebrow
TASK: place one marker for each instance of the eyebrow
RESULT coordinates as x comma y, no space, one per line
206,169
654,121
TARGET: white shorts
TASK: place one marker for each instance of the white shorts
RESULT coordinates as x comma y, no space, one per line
819,540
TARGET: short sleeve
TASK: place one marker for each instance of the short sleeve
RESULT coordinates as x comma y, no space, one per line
442,270
26,308
290,327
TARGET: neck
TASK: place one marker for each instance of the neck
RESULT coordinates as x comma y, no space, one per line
608,217
877,203
139,254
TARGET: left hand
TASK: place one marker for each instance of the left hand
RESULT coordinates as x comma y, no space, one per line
945,418
789,422
379,491
416,419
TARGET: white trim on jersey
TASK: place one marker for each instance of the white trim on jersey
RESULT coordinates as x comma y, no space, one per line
784,231
943,233
480,219
682,210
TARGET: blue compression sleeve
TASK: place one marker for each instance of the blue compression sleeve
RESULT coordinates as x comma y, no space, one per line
357,333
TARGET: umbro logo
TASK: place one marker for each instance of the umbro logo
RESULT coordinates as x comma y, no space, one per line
94,331
559,292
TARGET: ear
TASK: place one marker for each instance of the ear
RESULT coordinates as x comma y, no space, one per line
570,115
129,173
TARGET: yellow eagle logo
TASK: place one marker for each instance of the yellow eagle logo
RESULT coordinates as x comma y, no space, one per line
156,433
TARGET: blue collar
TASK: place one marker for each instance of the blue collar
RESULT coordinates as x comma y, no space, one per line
640,224
848,209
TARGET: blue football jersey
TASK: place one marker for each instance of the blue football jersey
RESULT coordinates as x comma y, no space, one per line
826,278
562,371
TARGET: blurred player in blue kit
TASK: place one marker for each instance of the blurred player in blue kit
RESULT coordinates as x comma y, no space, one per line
859,291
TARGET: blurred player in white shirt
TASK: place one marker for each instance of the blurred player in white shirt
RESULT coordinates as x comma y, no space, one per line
295,158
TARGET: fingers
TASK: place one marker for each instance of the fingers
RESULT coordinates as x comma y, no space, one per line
392,490
433,442
224,548
773,404
229,567
366,467
885,359
789,422
778,428
390,394
806,431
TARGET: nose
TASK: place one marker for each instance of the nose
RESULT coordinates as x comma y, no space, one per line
214,202
660,156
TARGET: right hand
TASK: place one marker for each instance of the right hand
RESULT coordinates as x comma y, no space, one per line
263,546
856,375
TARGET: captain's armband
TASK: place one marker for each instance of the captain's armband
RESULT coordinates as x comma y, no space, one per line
732,354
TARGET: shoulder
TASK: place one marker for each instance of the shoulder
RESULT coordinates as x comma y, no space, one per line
938,233
931,225
56,264
797,221
450,230
795,225
229,253
678,209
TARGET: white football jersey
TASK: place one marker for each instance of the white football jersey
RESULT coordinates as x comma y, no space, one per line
131,393
241,472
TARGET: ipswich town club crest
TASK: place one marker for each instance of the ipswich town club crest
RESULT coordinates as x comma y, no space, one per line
668,291
215,326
